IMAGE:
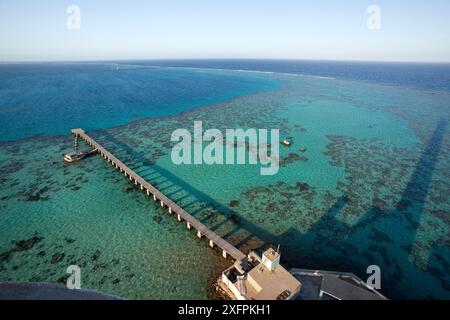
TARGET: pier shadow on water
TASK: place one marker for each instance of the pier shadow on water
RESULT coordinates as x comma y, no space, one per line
330,243
217,216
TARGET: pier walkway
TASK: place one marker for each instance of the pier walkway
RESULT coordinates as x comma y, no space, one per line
181,214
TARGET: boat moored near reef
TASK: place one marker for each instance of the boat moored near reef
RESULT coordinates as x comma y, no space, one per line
73,156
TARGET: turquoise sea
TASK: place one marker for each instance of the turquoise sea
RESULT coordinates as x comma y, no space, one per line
371,188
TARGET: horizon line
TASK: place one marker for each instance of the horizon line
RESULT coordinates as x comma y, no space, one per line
222,59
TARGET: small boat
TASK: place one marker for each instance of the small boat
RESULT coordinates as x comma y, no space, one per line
302,149
75,156
286,142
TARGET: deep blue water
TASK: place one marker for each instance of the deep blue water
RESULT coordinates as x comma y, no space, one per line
50,99
430,76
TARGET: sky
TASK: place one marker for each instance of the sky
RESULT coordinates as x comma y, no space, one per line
36,30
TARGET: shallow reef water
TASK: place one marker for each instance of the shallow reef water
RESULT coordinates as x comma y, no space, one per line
365,182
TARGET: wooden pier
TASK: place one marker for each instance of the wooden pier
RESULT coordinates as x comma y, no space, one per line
173,208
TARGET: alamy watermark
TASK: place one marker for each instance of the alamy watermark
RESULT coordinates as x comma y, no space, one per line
73,21
374,19
237,146
74,280
374,280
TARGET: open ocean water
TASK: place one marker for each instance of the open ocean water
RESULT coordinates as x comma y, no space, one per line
372,187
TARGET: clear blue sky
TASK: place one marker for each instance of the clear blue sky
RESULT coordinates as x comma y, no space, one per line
411,30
